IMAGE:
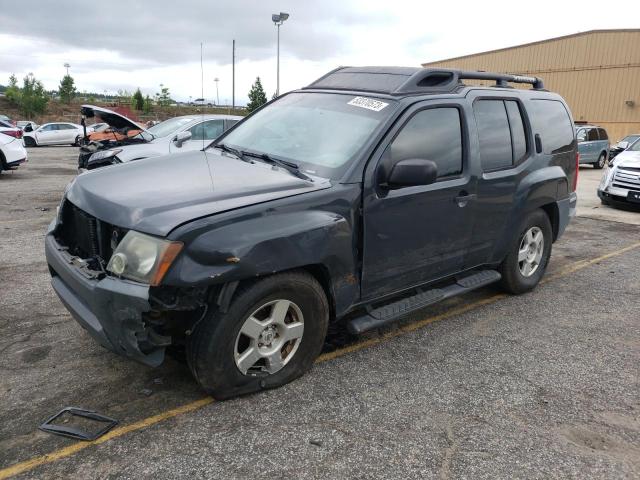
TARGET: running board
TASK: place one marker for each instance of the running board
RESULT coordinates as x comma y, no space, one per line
378,317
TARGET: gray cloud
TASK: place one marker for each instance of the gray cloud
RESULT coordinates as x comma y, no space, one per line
167,32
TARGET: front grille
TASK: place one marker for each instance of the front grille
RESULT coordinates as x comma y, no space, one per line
86,236
627,178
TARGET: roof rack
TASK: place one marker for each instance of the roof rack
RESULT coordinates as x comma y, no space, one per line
405,80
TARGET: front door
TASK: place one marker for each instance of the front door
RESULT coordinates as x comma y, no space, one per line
47,134
416,234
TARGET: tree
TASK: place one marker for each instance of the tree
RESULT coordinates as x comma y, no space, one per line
31,98
146,108
163,98
13,91
257,97
67,89
138,100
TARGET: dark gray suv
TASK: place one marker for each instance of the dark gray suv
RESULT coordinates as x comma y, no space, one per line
367,195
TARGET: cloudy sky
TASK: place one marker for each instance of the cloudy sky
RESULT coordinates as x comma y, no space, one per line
118,44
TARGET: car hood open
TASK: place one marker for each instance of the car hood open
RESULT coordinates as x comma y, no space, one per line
110,117
158,194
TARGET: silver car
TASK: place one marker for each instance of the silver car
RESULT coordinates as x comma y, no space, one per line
178,134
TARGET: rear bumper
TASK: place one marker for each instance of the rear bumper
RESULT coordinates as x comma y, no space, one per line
566,210
110,309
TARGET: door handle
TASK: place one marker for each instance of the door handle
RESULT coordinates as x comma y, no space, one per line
464,198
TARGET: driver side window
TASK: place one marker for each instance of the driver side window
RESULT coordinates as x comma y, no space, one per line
433,134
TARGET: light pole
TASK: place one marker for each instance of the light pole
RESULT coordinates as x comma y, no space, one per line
67,66
278,19
217,96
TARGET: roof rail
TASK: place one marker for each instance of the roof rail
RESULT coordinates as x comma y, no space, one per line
445,80
411,80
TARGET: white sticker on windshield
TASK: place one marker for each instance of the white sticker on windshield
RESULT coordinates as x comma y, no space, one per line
369,103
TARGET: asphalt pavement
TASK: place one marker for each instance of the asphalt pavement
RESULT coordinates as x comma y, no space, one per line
543,385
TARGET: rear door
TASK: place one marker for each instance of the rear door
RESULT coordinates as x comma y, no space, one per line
504,140
416,234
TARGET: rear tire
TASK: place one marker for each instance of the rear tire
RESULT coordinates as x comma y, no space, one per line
602,160
247,349
527,260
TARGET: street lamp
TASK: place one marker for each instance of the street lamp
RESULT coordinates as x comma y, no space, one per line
67,66
217,96
278,19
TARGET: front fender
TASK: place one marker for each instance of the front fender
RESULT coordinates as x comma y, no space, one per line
262,245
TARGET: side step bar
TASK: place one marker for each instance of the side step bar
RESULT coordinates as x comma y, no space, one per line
377,317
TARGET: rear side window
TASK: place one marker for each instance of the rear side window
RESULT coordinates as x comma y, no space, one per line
552,122
592,136
602,133
433,134
493,133
501,132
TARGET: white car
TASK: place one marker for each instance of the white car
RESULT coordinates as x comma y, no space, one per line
12,153
26,125
57,133
178,134
620,182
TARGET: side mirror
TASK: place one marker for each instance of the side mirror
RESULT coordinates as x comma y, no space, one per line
181,138
623,145
412,172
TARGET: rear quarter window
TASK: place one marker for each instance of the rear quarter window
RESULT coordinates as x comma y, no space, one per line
552,122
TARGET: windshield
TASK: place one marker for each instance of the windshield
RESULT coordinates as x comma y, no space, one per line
320,132
635,147
169,126
630,138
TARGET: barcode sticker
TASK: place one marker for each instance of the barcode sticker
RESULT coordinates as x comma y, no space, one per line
369,103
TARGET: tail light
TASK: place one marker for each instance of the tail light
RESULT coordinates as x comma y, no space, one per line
575,178
13,133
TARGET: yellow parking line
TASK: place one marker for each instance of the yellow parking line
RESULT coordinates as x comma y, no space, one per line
190,407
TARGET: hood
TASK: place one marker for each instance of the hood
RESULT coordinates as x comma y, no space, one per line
158,194
110,117
627,158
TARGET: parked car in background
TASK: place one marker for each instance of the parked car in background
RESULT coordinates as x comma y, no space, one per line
362,198
12,153
56,133
178,134
8,119
620,184
593,145
622,145
10,129
202,102
26,125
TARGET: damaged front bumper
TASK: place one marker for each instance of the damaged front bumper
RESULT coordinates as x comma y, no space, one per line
110,309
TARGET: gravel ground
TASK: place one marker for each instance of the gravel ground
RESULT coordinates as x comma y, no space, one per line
542,385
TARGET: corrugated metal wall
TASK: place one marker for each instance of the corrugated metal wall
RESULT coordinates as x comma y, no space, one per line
596,72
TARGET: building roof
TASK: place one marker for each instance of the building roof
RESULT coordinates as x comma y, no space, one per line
539,42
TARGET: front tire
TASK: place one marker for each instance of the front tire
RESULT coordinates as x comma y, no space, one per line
270,335
528,255
602,160
30,142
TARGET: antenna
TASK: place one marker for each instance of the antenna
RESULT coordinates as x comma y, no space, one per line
202,93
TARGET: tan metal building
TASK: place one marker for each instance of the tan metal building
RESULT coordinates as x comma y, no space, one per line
597,72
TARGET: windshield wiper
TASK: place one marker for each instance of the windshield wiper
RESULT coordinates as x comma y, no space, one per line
289,166
233,151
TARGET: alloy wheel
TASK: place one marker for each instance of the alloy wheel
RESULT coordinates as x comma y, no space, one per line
530,251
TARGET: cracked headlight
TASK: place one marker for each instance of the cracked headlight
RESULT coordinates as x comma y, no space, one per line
143,258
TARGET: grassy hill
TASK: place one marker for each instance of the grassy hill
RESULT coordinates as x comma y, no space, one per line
57,112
